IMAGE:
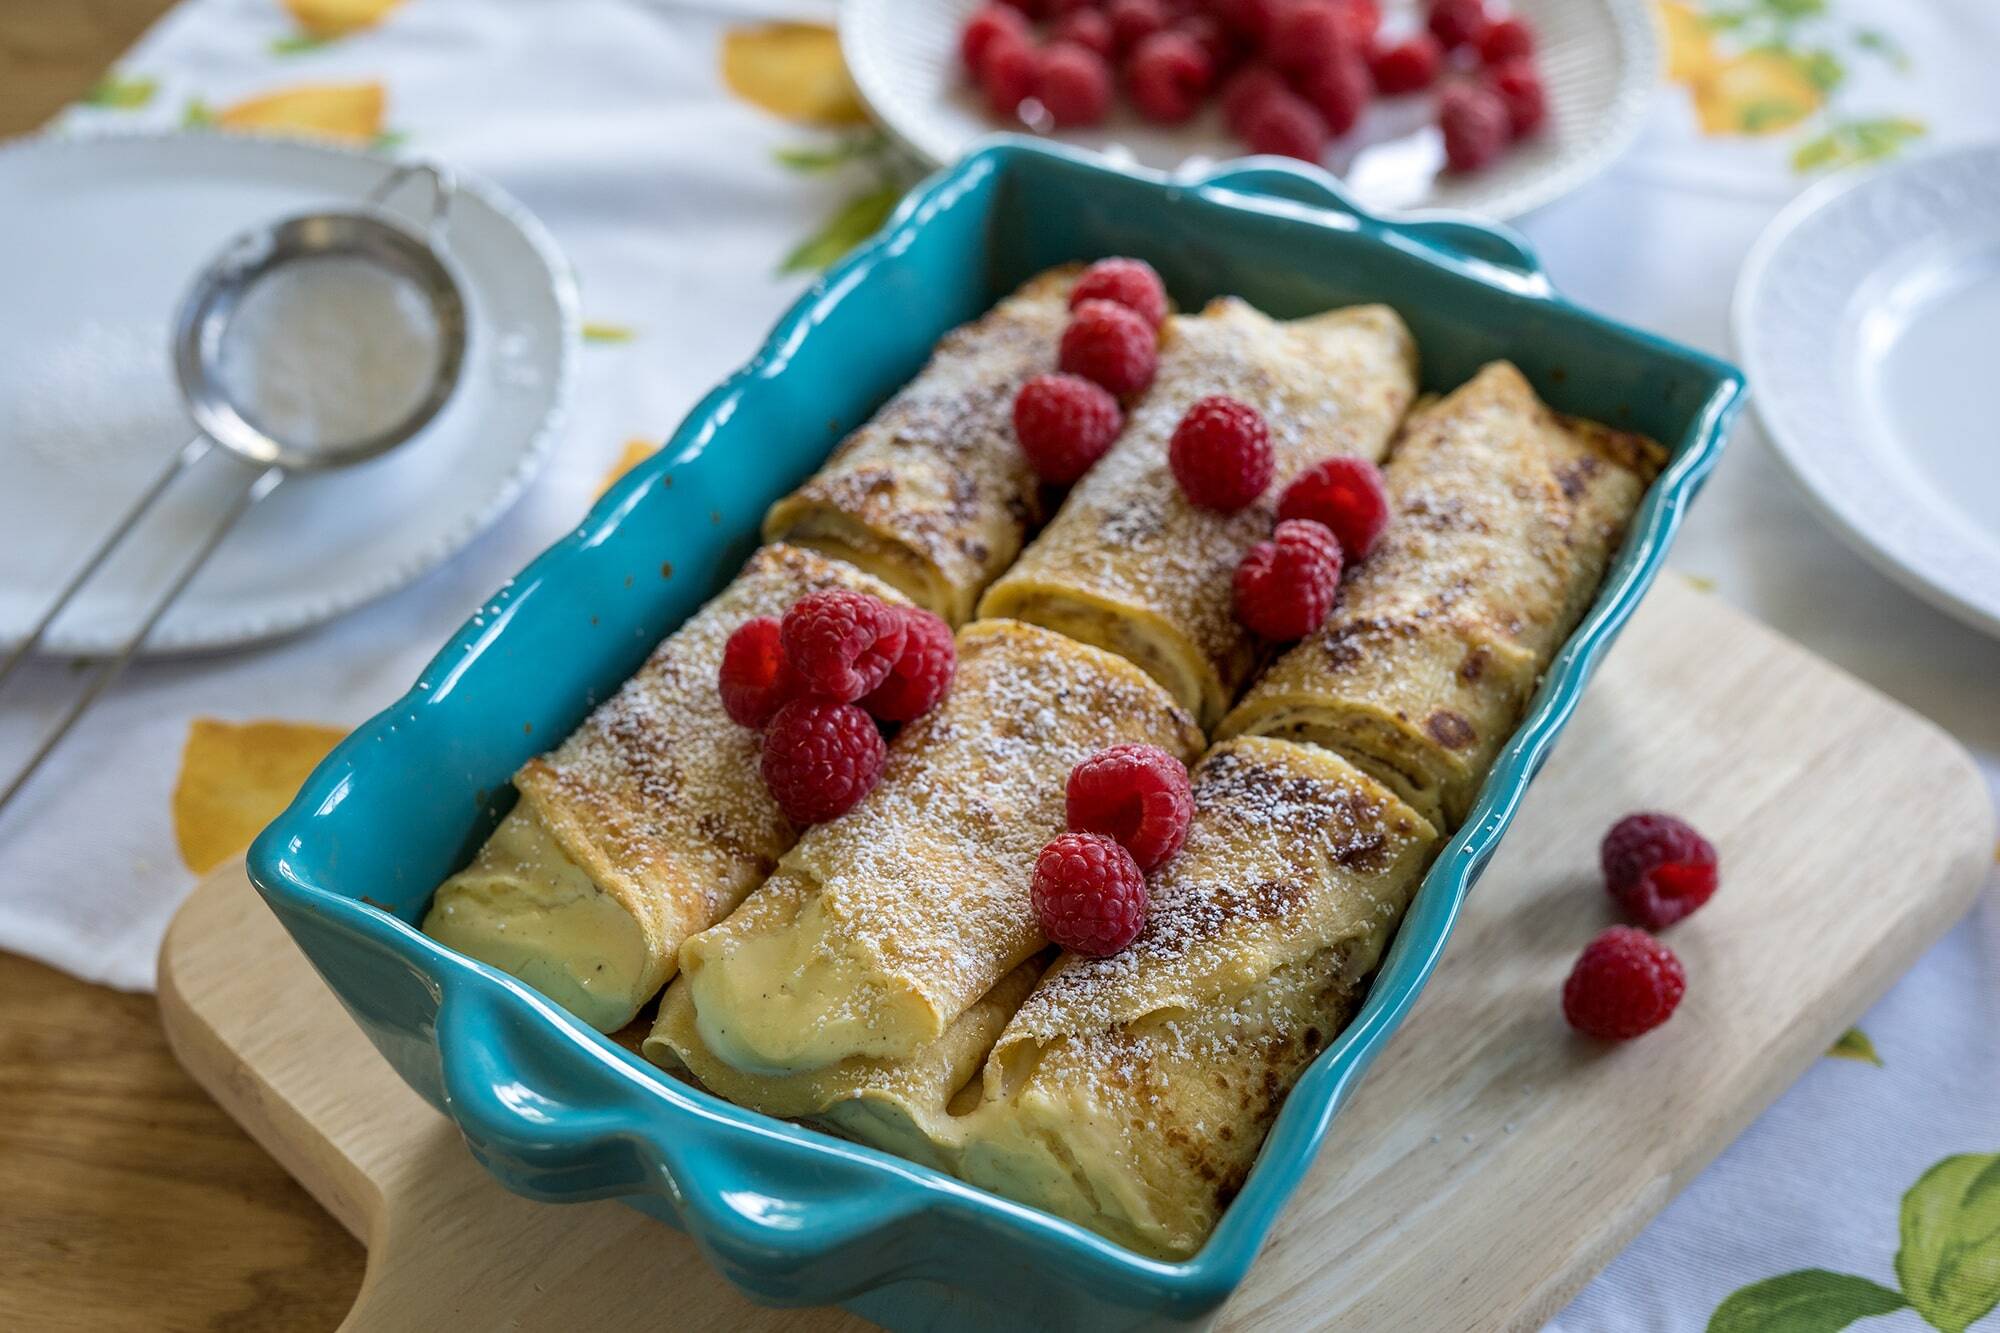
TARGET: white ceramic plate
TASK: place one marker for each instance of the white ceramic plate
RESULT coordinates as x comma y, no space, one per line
1600,59
99,238
1867,317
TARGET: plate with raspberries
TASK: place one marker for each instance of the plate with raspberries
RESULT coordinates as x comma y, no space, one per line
1489,106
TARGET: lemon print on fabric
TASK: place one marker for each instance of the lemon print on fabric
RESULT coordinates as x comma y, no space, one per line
1690,45
326,20
1758,92
348,113
237,777
634,453
793,70
1777,67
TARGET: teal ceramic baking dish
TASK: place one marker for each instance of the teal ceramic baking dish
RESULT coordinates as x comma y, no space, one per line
789,1215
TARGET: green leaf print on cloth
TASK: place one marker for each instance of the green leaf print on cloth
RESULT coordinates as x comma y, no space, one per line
1854,1045
1809,1301
1948,1265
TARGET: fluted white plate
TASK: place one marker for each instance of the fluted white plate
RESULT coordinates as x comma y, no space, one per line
1599,58
99,239
1867,318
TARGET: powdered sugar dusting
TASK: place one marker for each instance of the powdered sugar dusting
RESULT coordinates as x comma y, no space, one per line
936,470
930,873
1332,384
658,791
1504,517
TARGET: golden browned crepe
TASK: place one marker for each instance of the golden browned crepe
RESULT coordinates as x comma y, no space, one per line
933,495
1131,566
648,824
1504,517
909,1105
882,927
1131,1094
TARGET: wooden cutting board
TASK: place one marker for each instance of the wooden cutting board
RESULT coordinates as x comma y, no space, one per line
1490,1163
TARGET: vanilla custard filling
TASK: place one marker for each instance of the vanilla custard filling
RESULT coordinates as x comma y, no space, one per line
797,995
525,907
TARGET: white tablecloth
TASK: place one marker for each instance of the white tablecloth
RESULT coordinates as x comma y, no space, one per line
611,121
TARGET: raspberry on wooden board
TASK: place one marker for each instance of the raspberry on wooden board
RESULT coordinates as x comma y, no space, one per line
1625,983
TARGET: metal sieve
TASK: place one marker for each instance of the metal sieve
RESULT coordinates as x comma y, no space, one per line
373,235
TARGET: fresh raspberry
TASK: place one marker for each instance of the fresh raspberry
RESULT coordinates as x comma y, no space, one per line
1133,21
1624,983
1208,33
1131,283
1306,35
1111,345
1362,18
756,678
1519,87
1249,18
1007,69
1073,84
820,759
1506,39
1345,496
1064,424
1285,125
842,643
1088,28
991,21
1089,894
1286,586
1407,66
1246,91
1167,76
1339,90
1658,868
1137,794
1475,125
1456,23
1221,454
922,672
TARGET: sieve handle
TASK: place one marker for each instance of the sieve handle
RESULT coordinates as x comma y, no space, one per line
260,486
443,187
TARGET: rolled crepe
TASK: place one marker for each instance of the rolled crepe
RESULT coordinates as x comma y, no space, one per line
882,927
932,495
910,1105
1504,517
1131,566
648,824
1131,1094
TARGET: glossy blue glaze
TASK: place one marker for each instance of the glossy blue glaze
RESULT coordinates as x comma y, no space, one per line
557,1111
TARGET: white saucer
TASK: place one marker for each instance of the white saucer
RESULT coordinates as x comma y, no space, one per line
1868,321
1599,58
99,238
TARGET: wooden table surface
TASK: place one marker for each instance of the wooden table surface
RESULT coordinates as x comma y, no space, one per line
127,1198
